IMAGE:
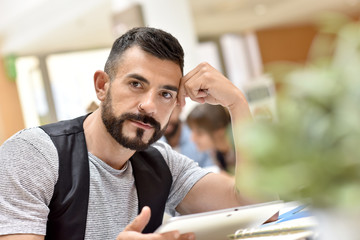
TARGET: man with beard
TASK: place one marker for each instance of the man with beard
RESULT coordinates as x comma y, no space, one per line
178,136
103,175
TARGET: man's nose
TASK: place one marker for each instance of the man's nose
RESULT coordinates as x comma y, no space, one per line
148,103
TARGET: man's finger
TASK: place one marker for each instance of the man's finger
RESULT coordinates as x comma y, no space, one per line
182,91
187,236
175,235
140,221
171,235
191,73
181,96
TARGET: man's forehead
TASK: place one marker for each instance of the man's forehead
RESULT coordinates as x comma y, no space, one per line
136,61
130,51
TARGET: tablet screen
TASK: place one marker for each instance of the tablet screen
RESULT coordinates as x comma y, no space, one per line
219,224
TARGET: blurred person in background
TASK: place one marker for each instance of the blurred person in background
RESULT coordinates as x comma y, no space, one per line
178,136
211,131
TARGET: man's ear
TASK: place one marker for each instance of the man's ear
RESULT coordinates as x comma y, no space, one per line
101,83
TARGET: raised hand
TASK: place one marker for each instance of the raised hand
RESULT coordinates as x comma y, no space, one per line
205,84
133,230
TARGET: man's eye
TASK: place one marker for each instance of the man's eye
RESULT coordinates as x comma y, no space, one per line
167,95
135,84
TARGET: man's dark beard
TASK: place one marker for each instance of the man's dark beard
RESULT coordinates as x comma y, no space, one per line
173,132
114,125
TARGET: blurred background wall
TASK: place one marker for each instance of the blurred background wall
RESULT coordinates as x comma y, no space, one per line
51,48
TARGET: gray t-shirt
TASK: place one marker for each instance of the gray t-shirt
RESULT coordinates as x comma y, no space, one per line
29,172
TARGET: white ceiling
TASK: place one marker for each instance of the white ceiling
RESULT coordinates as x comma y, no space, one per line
67,24
58,25
215,17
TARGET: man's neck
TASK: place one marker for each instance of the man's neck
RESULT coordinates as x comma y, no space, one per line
100,143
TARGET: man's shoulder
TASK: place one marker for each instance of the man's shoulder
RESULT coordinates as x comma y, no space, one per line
29,134
30,149
171,157
31,139
65,127
168,153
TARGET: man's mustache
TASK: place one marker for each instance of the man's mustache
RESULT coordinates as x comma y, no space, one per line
142,118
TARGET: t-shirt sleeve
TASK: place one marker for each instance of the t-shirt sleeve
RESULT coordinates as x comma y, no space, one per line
185,173
28,174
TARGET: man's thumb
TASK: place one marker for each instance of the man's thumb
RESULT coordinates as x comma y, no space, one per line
140,221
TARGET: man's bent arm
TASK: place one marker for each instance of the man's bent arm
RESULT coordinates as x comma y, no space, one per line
215,191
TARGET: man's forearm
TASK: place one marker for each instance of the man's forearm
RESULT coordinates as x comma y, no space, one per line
240,114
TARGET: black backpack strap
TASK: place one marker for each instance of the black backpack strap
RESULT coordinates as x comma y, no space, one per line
153,181
69,204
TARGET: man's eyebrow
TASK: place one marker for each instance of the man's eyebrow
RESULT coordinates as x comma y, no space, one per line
142,79
138,77
171,88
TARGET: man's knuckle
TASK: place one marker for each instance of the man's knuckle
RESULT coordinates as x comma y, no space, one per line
204,64
206,75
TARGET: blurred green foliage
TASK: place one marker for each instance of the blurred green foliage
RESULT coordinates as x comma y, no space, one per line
313,151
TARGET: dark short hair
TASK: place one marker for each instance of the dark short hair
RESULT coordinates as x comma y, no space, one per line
208,117
154,41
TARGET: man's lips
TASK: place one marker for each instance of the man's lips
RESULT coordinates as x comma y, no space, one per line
142,124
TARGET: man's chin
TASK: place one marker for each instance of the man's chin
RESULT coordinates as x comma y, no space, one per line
139,143
135,143
135,146
138,148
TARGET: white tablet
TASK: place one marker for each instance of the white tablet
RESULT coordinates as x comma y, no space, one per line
217,225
